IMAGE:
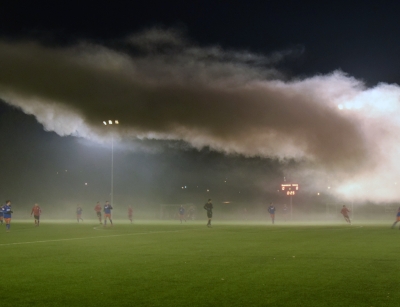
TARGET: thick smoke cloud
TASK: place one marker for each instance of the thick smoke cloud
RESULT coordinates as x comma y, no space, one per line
160,86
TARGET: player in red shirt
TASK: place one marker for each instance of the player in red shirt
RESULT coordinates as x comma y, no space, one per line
36,211
345,212
97,208
130,213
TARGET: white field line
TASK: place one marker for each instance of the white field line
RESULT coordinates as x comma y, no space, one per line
311,228
146,233
109,236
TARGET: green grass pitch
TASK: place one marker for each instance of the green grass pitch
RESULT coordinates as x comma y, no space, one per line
169,264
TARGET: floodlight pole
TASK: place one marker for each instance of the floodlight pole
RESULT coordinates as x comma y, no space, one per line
112,170
327,210
110,122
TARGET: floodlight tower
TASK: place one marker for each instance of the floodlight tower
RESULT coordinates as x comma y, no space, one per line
290,189
109,123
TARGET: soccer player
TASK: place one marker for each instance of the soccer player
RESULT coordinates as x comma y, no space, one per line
345,212
182,213
7,214
36,211
130,213
190,215
1,215
271,210
209,206
397,218
107,213
79,213
97,208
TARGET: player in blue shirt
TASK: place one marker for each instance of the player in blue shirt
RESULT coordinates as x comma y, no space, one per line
397,218
107,213
182,213
271,210
7,214
1,215
79,213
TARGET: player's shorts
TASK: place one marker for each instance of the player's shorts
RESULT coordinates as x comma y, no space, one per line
181,216
272,215
345,216
130,216
78,216
98,214
37,217
8,220
398,218
209,214
107,215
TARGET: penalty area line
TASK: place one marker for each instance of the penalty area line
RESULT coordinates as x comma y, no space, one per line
94,237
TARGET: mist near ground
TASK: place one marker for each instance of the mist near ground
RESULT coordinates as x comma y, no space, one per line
241,213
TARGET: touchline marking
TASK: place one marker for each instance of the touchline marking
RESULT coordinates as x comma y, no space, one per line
84,238
314,228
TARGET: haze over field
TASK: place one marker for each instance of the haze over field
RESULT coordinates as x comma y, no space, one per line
162,86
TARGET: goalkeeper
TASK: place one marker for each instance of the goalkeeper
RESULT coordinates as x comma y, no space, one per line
209,206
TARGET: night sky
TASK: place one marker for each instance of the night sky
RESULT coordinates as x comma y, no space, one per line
211,95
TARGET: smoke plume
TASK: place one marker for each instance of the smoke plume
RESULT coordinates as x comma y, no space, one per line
162,87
